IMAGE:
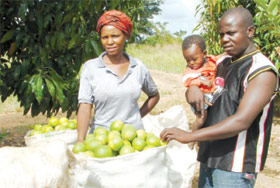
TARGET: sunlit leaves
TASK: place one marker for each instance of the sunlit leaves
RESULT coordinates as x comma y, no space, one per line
266,18
44,44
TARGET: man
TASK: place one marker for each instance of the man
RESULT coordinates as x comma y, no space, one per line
235,137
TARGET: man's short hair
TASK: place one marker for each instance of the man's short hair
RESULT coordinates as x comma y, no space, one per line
194,39
243,12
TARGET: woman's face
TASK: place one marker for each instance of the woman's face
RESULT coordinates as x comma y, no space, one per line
113,40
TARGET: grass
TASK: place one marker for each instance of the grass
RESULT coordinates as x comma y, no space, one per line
167,58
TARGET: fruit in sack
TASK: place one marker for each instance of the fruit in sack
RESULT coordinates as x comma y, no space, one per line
47,128
141,133
128,133
89,153
103,151
37,127
127,143
103,138
113,133
53,121
116,143
126,150
62,120
79,147
116,125
100,130
138,143
59,128
162,143
72,125
92,144
34,132
148,147
153,141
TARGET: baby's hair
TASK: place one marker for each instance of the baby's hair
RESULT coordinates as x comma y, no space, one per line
194,39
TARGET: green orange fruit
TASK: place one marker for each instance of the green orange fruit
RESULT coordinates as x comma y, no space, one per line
116,125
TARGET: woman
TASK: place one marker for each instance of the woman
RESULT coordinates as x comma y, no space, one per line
113,82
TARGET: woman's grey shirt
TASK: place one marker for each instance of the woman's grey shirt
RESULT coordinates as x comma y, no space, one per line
115,98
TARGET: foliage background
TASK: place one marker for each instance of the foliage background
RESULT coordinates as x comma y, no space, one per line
266,15
43,46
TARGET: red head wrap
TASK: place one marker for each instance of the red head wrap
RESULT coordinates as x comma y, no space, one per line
117,19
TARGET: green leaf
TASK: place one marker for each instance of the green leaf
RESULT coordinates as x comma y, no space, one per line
67,18
272,7
8,36
39,89
59,92
58,78
114,3
26,108
35,109
51,88
95,47
261,3
71,43
17,72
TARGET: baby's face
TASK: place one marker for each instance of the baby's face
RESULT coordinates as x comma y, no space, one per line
194,57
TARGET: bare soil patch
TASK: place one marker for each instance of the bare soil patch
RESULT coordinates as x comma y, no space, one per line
14,126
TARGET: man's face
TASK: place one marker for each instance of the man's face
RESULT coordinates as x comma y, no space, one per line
234,35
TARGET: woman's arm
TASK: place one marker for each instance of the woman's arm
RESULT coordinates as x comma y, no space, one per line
149,104
83,119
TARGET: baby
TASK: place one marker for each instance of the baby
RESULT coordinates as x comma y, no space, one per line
200,71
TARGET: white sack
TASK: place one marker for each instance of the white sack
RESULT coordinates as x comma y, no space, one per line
67,136
181,160
43,165
141,169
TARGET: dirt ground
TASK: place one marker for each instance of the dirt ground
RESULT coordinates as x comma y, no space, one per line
14,125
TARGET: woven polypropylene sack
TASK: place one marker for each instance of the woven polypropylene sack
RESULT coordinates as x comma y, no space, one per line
67,136
42,165
181,160
141,169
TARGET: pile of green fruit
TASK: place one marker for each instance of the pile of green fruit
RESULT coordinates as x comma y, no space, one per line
120,140
54,124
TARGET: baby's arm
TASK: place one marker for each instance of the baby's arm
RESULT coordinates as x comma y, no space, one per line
204,81
198,123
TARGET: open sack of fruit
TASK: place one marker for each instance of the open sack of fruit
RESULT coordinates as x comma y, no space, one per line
139,169
56,129
44,164
125,157
181,160
119,157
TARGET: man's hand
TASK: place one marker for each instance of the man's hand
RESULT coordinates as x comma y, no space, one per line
175,133
196,99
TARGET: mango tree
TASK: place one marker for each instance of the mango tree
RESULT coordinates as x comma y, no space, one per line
44,44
